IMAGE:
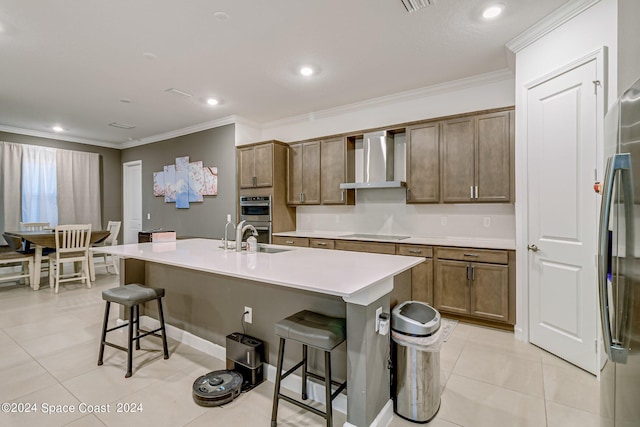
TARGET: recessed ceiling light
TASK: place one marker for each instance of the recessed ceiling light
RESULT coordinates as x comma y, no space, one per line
57,128
307,71
221,16
212,101
493,11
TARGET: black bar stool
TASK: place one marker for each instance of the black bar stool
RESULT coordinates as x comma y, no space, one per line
132,296
311,330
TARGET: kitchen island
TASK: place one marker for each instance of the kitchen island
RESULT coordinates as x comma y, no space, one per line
208,287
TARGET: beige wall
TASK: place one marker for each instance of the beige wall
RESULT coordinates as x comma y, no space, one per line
110,169
214,147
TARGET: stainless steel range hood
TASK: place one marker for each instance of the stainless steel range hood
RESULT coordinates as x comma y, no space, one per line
378,160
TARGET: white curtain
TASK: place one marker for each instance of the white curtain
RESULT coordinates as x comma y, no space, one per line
79,188
10,165
39,185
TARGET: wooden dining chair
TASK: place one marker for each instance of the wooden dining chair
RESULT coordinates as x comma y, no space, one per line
72,245
13,258
111,240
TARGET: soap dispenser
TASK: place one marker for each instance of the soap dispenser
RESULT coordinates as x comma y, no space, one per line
252,245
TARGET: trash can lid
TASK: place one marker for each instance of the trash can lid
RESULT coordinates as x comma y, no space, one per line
415,318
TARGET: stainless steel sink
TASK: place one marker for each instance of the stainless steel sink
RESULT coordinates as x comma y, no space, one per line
269,250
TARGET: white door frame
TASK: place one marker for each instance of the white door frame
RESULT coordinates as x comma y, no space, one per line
124,199
522,204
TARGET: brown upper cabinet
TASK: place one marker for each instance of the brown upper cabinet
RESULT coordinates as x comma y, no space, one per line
477,158
256,166
338,166
423,163
303,173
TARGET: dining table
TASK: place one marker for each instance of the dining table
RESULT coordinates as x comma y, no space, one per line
42,239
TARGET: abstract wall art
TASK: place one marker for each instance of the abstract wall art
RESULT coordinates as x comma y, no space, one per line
185,182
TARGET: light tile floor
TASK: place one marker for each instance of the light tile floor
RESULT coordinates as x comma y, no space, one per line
49,346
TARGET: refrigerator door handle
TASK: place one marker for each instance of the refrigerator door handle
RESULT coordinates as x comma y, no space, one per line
616,162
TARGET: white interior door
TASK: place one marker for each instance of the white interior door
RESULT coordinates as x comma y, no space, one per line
132,200
562,123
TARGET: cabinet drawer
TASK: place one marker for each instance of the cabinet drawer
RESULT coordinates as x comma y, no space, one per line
321,243
291,241
415,250
374,247
474,255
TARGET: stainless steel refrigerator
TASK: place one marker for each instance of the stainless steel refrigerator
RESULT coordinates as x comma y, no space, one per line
619,263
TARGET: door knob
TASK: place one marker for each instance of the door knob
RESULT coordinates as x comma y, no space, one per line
533,248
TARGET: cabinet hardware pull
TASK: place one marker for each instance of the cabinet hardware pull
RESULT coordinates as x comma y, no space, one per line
476,191
467,272
473,255
408,194
321,244
471,191
342,195
289,242
302,197
255,181
473,273
415,251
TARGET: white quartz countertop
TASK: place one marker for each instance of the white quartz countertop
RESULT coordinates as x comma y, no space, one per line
338,273
465,242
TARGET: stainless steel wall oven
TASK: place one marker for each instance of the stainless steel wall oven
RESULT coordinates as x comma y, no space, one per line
256,210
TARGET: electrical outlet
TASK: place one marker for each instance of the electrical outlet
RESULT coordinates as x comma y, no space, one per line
487,221
248,314
378,313
443,221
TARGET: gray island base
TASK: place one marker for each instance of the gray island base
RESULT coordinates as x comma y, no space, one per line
207,289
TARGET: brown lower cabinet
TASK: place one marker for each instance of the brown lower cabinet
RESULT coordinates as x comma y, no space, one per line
475,288
290,241
470,283
422,274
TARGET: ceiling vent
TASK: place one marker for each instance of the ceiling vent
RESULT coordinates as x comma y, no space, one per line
121,125
413,5
178,92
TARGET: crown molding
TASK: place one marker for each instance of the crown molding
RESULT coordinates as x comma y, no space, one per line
180,132
57,136
549,23
481,79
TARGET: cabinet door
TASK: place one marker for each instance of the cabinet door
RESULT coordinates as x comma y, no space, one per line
493,161
334,171
423,163
246,162
311,173
490,291
264,165
451,292
458,160
422,282
294,174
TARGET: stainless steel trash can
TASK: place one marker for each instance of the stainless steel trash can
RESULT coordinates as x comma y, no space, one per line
416,383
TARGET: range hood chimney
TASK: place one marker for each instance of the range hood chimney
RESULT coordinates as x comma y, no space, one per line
378,160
